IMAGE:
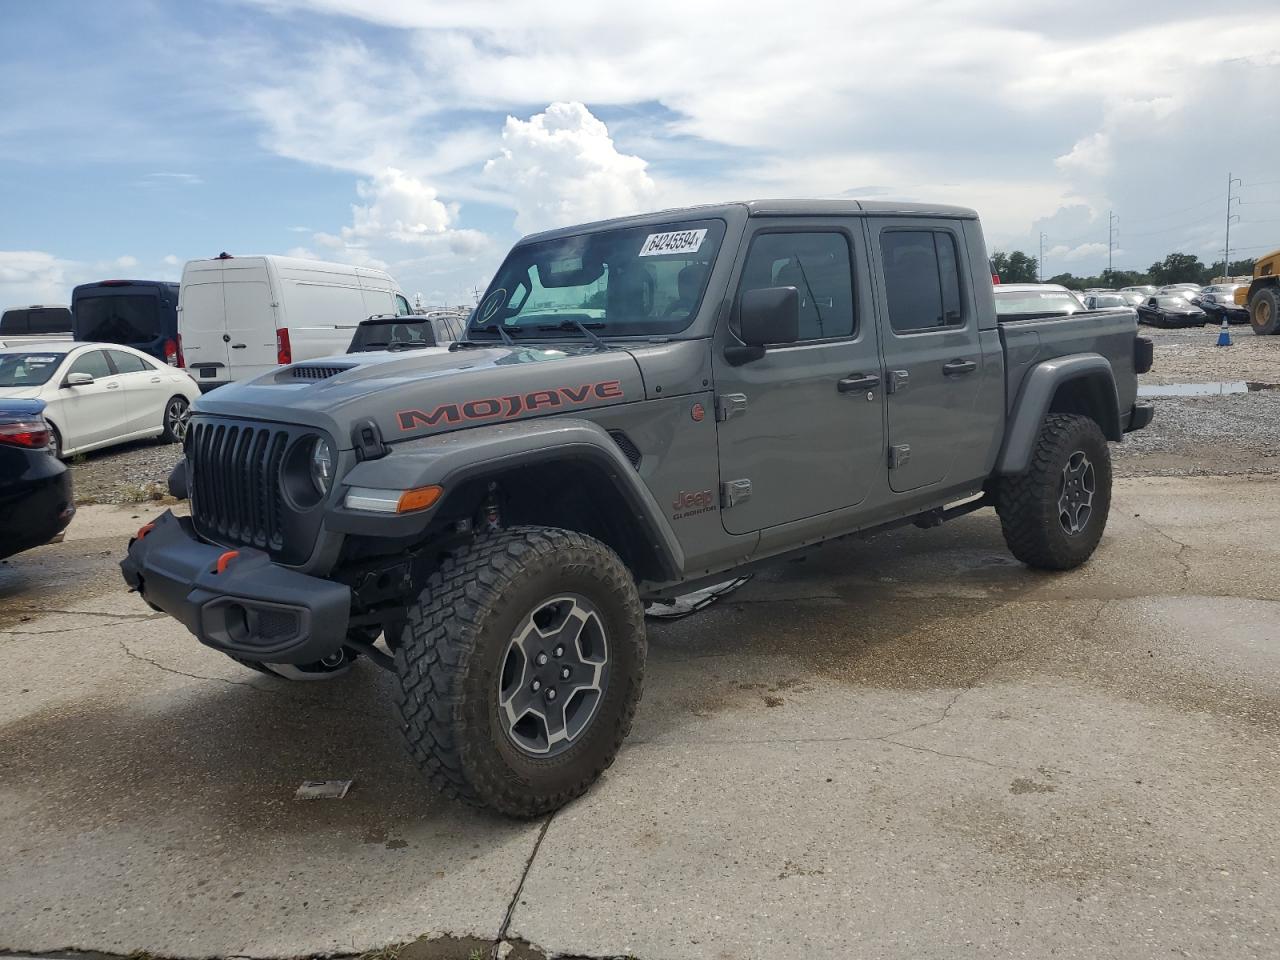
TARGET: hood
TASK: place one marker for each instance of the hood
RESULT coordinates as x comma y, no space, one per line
20,393
415,394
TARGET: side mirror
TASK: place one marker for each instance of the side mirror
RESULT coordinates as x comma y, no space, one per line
769,315
78,380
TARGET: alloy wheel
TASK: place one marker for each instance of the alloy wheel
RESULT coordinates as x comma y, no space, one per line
176,417
553,676
1075,497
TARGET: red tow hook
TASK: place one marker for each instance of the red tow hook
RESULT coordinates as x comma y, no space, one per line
144,530
225,559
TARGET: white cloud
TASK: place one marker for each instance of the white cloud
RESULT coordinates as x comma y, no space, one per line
561,167
400,207
1090,156
126,262
170,260
33,276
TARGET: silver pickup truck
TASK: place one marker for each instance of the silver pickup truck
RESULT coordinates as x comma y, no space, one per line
638,407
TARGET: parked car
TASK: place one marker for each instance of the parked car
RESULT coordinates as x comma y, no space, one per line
242,316
35,487
396,332
1219,303
704,389
1133,297
96,395
1105,301
142,314
35,324
1169,310
1143,288
1015,301
1186,290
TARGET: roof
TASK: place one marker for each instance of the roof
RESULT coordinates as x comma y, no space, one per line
768,208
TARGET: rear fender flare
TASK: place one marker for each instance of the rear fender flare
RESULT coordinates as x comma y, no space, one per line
1039,387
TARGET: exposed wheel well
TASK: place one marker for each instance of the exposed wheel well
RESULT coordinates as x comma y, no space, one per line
1092,396
573,495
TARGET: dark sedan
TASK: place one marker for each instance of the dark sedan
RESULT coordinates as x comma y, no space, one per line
35,487
1219,302
1164,310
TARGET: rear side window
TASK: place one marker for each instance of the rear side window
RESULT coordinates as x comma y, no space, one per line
817,265
922,279
127,362
14,322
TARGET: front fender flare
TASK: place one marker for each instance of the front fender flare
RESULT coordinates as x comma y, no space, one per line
451,459
1035,396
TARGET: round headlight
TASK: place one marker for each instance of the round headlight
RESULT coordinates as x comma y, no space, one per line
322,466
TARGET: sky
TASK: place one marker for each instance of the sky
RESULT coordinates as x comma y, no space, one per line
426,136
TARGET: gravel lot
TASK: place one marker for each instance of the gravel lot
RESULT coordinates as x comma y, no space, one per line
1191,355
130,473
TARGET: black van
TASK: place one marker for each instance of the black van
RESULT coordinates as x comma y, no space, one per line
142,314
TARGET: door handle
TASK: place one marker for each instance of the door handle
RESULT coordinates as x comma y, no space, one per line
957,367
155,379
237,346
859,381
113,386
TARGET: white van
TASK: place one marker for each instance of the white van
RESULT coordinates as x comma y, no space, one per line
241,316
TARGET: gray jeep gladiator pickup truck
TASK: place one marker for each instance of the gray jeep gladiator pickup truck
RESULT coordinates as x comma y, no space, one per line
639,407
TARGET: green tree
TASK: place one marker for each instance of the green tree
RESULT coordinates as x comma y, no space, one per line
1177,268
1014,267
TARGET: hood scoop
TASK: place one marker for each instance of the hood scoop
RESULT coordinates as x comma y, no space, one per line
316,371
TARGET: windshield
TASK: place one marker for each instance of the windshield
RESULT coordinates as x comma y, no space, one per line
28,369
1042,302
117,319
633,281
404,333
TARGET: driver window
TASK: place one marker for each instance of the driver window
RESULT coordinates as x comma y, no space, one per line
94,363
817,265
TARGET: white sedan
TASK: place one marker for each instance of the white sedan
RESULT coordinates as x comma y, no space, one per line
99,394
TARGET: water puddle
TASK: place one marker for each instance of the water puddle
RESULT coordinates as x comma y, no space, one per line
1213,389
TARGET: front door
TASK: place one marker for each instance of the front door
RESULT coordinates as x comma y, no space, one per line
93,412
933,357
801,430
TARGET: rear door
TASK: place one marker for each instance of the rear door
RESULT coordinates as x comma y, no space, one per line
932,352
124,313
202,322
252,348
145,391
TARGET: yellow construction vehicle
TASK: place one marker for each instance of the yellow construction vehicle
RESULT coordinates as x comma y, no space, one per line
1262,297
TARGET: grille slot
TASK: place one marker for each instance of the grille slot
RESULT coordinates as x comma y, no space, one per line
316,372
627,446
236,495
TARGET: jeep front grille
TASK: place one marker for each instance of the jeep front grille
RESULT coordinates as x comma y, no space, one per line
234,473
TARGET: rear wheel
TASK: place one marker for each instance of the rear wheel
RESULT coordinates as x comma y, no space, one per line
1053,513
520,669
177,412
55,441
1264,311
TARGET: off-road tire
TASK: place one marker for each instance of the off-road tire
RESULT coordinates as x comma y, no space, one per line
1027,503
451,652
1264,311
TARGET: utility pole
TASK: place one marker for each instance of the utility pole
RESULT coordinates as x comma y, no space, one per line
1231,198
1113,234
1040,261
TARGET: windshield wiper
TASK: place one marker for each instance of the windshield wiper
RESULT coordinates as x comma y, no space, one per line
406,345
497,328
569,323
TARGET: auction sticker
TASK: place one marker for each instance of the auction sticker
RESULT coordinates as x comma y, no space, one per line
679,241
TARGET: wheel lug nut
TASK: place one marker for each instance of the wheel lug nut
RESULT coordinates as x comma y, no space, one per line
551,693
542,659
560,651
564,674
537,685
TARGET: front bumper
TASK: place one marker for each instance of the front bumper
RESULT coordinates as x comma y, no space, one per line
254,608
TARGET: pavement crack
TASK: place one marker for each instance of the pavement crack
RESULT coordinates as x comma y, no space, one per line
943,753
1182,546
524,875
191,676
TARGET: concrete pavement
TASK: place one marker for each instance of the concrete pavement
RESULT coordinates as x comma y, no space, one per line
903,747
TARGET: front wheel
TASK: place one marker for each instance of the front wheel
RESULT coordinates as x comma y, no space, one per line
520,669
1053,513
1264,311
